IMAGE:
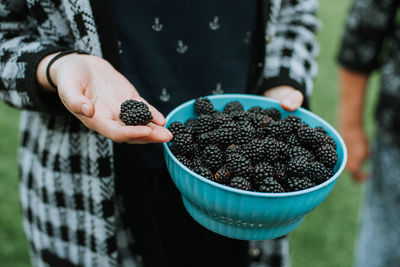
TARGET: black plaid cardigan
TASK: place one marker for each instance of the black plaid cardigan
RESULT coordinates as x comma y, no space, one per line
71,212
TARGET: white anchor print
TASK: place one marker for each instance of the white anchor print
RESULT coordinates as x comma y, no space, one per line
164,97
214,25
246,39
157,26
218,89
182,48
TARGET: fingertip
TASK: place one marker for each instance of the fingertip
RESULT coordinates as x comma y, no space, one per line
87,109
292,101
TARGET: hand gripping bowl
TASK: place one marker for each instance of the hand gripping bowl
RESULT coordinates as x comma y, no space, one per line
243,214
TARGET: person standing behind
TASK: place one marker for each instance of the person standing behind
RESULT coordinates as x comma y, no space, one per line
371,42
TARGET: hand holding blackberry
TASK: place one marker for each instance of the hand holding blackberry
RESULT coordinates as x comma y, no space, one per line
255,149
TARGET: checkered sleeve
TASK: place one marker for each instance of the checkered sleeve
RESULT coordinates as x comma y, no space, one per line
21,49
369,24
291,48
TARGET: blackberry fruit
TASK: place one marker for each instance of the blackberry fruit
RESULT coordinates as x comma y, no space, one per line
135,113
203,171
244,135
271,150
298,166
185,160
203,105
292,140
307,137
282,149
270,185
254,150
273,113
182,144
212,157
221,119
177,128
240,183
327,155
256,110
298,151
233,106
233,149
293,121
296,184
318,172
223,175
280,173
224,136
240,116
204,123
238,165
261,171
279,130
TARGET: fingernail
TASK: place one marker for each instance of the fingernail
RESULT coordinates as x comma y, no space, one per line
288,103
85,109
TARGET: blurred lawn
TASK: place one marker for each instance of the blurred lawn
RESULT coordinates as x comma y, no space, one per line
325,238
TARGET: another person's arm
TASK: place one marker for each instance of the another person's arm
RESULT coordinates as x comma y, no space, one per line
368,25
352,92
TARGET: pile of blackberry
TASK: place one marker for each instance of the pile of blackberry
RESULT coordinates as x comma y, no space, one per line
134,113
254,149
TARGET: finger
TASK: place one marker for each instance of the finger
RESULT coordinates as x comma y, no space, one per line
71,94
158,118
159,135
115,131
292,100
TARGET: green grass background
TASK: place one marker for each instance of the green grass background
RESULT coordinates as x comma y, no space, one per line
327,235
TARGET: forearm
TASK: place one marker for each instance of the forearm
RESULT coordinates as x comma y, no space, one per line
352,94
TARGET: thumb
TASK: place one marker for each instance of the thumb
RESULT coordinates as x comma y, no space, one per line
72,96
292,100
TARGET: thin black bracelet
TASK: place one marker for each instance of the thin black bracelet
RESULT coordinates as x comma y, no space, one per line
61,54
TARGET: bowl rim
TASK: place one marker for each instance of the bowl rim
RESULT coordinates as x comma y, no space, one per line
253,193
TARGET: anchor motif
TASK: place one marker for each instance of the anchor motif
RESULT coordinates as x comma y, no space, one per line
214,25
182,48
157,26
218,89
164,97
246,39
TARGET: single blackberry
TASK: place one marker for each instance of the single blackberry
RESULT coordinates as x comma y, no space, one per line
273,113
299,151
270,185
279,130
307,137
177,128
260,120
233,106
298,166
262,170
256,110
223,175
293,122
225,136
296,184
271,150
185,160
204,123
221,119
238,165
182,144
329,141
318,172
203,105
282,150
240,116
203,171
212,157
254,150
205,139
327,155
244,135
240,183
135,113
